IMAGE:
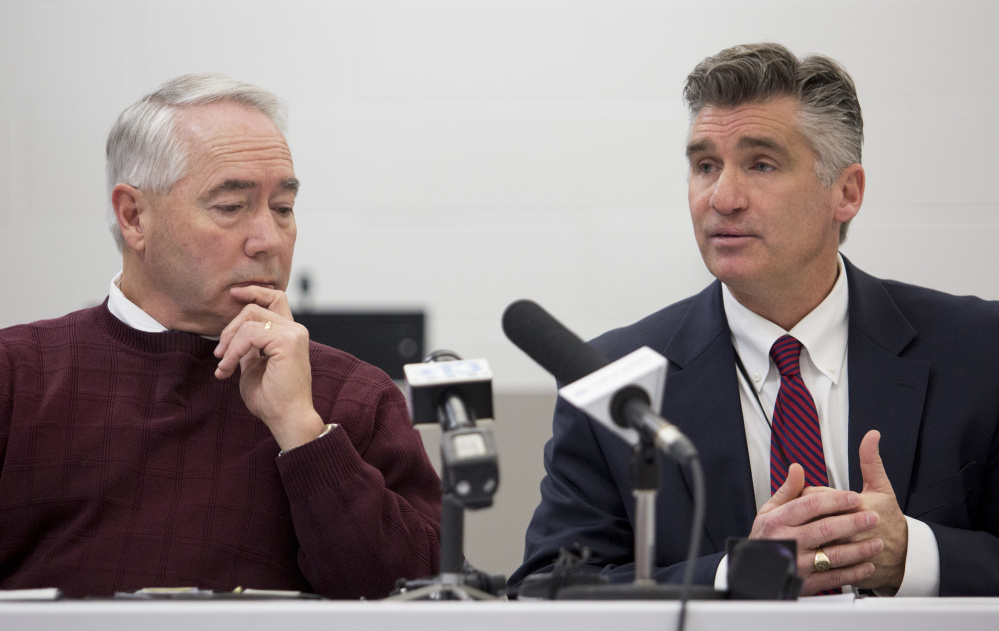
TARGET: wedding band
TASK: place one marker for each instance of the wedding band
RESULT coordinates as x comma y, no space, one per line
267,325
821,562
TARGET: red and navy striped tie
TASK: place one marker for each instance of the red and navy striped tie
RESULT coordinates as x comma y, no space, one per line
795,435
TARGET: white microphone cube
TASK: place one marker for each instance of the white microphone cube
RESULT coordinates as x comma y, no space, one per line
643,368
429,382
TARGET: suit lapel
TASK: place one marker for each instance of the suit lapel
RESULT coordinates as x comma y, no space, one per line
702,399
887,391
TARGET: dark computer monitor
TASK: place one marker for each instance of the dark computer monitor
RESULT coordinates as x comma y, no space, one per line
387,339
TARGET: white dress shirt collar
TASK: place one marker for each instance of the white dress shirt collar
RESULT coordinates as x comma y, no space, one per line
823,333
128,312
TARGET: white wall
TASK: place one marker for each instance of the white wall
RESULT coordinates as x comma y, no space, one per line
460,155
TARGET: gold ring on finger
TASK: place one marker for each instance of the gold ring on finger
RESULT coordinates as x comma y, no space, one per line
267,325
821,562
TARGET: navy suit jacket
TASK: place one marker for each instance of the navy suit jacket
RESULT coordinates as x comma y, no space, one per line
924,371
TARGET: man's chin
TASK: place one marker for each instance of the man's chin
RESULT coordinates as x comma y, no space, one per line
731,270
212,325
211,330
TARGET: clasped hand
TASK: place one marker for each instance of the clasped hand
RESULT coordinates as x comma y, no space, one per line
864,534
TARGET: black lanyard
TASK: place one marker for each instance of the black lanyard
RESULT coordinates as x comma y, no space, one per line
773,439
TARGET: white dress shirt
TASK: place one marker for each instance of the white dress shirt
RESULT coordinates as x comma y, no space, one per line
823,334
128,312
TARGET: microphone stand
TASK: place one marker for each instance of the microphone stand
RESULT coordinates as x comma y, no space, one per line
469,480
644,485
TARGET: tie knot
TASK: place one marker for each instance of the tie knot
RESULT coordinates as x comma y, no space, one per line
785,353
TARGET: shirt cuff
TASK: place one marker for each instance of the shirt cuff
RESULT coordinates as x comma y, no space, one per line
721,575
326,430
922,562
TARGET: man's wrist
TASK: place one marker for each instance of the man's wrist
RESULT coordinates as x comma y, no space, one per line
921,575
327,428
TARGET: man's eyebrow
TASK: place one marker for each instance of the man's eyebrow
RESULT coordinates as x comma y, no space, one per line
228,186
746,142
290,184
699,147
762,142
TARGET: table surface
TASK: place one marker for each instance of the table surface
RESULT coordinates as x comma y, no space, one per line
814,614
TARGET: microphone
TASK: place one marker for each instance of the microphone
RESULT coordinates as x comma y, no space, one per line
453,392
444,384
615,394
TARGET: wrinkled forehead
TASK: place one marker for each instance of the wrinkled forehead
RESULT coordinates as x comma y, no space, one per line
226,124
770,123
226,136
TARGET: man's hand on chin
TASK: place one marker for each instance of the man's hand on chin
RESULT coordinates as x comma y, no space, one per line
272,352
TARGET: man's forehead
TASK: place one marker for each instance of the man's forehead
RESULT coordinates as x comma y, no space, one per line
780,107
227,127
766,125
219,114
233,147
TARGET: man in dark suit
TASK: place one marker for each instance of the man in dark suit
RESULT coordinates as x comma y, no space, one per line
857,416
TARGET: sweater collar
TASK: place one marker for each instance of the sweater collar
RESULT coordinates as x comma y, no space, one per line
144,341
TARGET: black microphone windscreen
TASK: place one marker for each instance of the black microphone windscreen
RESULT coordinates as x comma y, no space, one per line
548,342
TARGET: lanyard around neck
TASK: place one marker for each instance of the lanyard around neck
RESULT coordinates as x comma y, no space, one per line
745,375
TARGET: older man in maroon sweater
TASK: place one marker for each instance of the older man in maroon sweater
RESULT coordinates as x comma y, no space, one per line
186,432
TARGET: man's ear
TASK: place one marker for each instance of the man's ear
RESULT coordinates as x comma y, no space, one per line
130,205
850,184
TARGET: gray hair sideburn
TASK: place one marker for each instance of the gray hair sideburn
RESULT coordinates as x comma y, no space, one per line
829,116
143,147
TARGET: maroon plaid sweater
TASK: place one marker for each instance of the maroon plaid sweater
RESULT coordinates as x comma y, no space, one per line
124,463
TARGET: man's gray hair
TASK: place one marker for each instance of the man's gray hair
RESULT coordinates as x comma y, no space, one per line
829,116
143,147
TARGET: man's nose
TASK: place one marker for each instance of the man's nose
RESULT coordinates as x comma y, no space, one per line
729,194
264,236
